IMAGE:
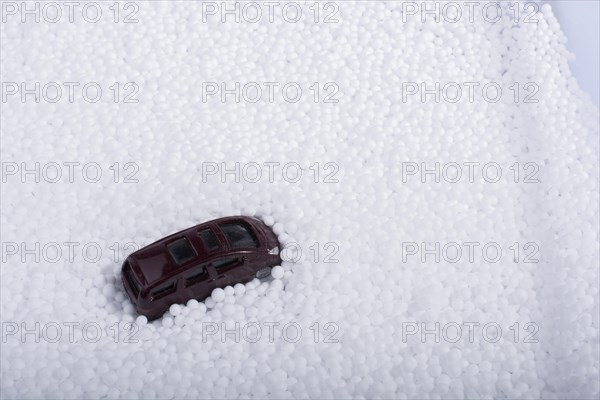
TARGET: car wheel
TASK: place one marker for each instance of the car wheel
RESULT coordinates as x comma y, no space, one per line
263,272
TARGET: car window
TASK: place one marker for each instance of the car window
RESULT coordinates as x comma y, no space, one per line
225,262
163,290
209,239
196,276
182,251
239,235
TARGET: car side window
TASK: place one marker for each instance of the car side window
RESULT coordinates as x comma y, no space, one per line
211,243
182,251
196,276
225,262
239,235
163,290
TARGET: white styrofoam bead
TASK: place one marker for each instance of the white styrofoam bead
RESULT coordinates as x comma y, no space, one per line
218,295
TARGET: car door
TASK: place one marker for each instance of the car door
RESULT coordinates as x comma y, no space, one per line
227,269
198,282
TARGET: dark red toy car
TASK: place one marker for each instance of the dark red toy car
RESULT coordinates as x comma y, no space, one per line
190,264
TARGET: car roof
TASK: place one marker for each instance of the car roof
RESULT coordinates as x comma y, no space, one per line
154,263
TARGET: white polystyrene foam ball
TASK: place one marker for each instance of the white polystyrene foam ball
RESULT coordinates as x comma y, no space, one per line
239,289
218,295
277,272
192,304
167,322
278,228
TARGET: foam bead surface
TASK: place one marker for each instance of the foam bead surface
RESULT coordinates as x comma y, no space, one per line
364,304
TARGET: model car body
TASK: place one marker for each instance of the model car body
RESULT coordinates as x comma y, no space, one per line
190,264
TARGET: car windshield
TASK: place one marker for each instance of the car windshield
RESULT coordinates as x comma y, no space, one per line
239,235
182,251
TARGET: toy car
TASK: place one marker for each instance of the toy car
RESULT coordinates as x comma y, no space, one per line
190,264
